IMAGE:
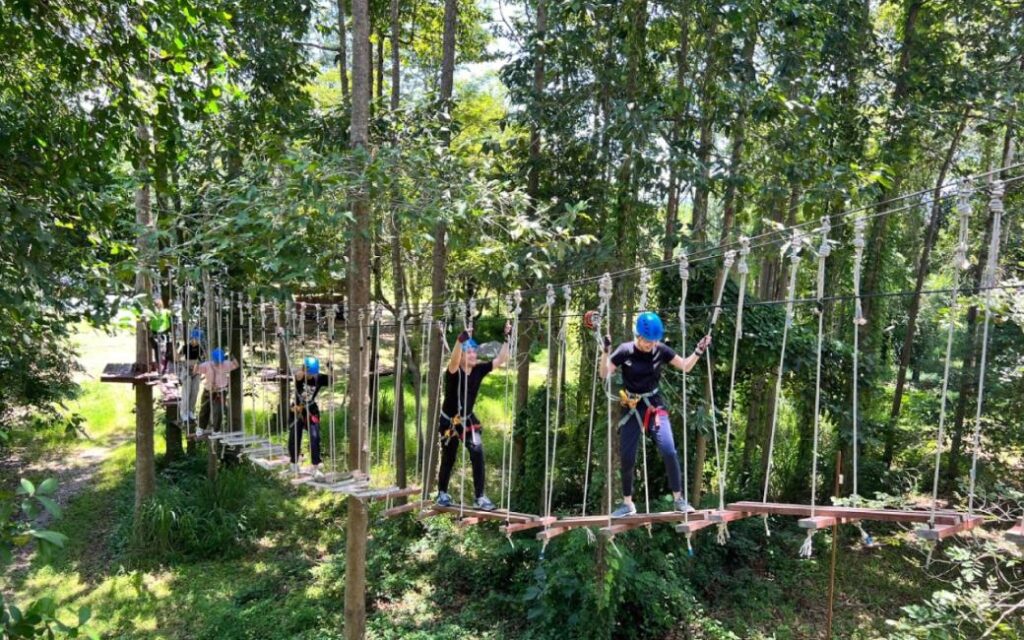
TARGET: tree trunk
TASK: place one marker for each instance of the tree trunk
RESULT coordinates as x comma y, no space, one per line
894,148
380,67
359,299
396,75
702,188
145,464
729,206
931,234
678,135
342,52
439,259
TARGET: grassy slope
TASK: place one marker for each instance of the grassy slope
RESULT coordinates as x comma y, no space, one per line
290,584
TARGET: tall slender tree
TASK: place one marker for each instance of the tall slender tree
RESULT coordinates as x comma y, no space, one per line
359,300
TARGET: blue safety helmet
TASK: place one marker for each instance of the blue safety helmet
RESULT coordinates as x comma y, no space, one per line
470,344
196,334
218,355
312,365
649,326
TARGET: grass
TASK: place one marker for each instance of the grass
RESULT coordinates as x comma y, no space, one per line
426,580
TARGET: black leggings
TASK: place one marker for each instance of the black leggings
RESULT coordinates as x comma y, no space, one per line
309,418
450,452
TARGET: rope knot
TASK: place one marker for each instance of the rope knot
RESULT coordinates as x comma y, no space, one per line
549,298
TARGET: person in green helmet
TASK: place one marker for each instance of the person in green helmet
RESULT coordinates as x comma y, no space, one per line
159,330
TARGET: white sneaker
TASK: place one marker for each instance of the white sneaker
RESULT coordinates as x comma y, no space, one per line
317,473
294,468
199,431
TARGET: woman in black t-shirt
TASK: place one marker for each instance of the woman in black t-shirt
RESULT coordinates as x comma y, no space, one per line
641,362
461,386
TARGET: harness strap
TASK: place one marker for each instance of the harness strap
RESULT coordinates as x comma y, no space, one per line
631,400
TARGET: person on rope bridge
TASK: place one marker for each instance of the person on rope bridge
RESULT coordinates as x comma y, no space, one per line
306,413
159,330
461,385
641,362
216,374
190,354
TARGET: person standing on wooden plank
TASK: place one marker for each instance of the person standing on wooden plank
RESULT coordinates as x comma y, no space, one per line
641,362
461,386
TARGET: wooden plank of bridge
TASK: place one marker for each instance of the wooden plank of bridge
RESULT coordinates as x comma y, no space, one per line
642,519
509,529
943,531
384,494
468,512
819,522
846,513
402,508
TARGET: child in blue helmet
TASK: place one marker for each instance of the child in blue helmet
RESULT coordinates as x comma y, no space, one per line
458,423
641,362
306,413
216,374
190,355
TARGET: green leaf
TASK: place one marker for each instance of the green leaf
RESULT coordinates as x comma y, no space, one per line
83,615
51,505
47,487
54,538
27,488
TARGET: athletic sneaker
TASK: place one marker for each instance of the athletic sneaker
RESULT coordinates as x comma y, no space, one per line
199,432
443,499
624,511
683,506
293,468
317,473
484,504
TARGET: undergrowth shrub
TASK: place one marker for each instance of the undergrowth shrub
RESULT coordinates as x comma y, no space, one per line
193,518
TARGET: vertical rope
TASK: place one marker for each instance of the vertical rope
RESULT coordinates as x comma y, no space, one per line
466,311
645,284
794,246
515,309
559,382
989,280
963,207
549,302
859,225
332,320
743,269
605,295
593,410
729,260
684,282
824,249
421,435
397,430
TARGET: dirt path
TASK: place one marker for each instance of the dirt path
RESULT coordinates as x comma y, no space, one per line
74,469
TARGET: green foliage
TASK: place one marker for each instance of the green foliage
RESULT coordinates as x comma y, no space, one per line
192,518
42,616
